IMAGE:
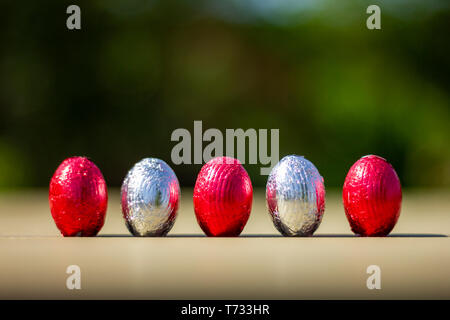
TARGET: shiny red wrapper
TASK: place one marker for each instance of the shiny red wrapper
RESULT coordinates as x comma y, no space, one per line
78,197
223,197
372,197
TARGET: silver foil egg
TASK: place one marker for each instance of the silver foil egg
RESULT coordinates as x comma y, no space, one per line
295,195
150,197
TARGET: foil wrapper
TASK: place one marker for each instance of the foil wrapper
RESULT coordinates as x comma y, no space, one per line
295,195
150,196
223,196
372,196
78,198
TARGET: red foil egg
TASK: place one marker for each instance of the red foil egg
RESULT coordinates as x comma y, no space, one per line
78,198
223,197
372,196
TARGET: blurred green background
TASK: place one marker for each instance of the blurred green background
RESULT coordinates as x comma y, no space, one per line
137,70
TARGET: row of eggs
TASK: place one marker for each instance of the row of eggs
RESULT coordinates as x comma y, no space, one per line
223,194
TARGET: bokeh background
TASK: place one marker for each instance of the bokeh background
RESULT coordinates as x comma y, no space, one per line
137,70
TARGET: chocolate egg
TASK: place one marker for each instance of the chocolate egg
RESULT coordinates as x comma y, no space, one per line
223,197
78,197
150,197
372,196
295,196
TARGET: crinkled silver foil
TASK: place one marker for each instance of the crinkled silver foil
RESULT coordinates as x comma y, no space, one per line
295,195
150,197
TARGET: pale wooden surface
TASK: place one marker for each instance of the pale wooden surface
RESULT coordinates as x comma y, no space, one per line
260,264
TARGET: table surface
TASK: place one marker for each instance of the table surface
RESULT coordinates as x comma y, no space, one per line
260,264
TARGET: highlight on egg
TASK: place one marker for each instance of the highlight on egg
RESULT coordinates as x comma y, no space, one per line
78,197
372,196
295,196
150,197
223,196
